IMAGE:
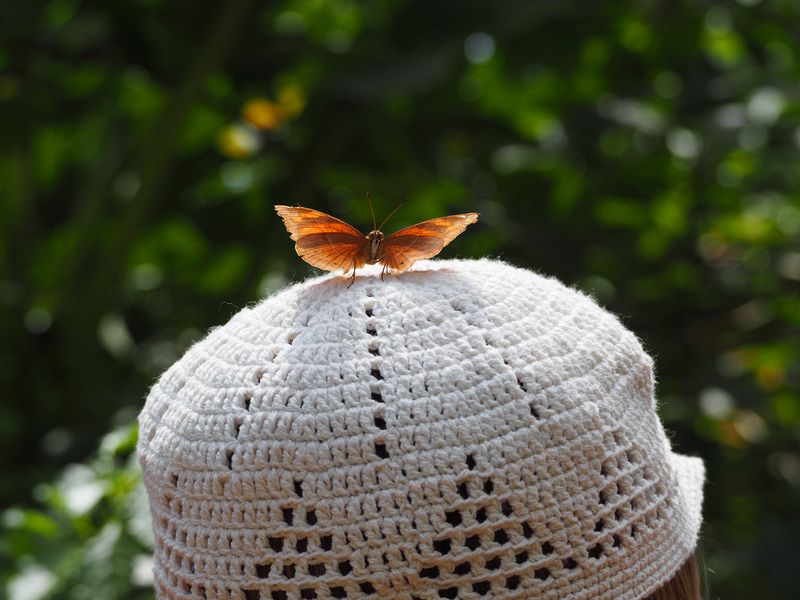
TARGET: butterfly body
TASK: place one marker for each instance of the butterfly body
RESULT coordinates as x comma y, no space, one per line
330,244
375,238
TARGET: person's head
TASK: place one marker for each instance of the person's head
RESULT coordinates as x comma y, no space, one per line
463,430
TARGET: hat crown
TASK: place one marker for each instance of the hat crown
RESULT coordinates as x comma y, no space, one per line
465,428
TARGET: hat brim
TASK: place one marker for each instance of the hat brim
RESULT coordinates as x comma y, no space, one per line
691,475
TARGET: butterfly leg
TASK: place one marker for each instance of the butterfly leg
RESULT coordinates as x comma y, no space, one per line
352,278
384,270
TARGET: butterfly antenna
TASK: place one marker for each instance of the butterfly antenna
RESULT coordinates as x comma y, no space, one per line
392,214
369,199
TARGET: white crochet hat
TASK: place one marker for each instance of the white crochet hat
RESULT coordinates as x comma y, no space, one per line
463,430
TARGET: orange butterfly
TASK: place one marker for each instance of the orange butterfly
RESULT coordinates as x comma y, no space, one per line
331,244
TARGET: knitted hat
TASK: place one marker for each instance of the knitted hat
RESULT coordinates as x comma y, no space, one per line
463,430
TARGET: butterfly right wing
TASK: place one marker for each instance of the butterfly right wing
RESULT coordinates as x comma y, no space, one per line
423,240
324,241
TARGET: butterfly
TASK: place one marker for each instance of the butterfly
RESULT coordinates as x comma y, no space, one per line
331,244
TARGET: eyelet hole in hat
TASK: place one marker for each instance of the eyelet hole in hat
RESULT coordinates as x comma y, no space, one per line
367,587
462,568
451,592
302,545
599,526
526,530
482,587
463,490
493,563
470,462
569,563
500,536
308,593
345,567
543,573
453,517
252,594
596,551
429,572
278,595
262,571
512,582
442,546
338,592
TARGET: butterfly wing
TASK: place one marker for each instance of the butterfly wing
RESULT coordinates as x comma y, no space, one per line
423,240
323,241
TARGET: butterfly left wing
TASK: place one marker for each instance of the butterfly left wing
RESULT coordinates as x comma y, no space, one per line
423,240
324,241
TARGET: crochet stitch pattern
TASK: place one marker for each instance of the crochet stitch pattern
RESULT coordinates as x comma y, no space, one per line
466,429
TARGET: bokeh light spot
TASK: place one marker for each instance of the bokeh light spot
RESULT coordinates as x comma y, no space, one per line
38,320
126,184
56,441
237,177
479,48
292,99
114,335
765,106
146,277
750,426
263,114
668,85
716,402
683,143
32,583
789,266
238,141
290,23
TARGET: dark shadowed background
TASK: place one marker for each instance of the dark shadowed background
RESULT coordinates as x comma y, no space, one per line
647,152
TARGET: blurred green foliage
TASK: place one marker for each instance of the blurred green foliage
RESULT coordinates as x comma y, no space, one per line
644,151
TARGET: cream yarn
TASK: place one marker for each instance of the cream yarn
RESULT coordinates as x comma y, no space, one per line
463,430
